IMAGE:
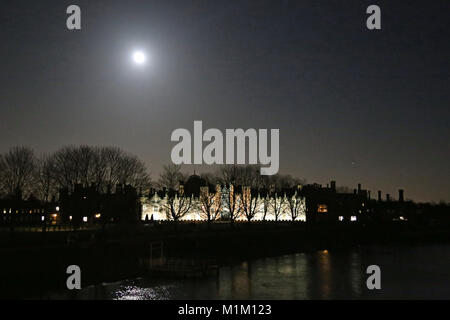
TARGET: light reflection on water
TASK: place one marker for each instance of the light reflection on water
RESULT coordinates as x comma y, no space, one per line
411,272
133,292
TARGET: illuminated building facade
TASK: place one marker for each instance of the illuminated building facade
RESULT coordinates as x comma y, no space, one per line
246,204
312,203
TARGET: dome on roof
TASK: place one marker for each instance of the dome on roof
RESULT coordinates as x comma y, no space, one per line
193,184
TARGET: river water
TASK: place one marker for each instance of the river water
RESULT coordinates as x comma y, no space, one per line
419,272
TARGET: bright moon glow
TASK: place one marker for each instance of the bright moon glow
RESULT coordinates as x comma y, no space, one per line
139,57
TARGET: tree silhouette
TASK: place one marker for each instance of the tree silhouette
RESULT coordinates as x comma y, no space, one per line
17,168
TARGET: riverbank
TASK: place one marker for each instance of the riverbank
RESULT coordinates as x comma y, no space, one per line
407,272
33,263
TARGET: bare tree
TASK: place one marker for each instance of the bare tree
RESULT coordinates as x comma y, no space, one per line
296,205
210,203
240,175
266,206
210,179
17,171
250,202
232,203
45,178
277,204
112,157
229,174
101,167
283,182
132,171
66,174
3,186
177,206
249,175
249,180
84,156
170,177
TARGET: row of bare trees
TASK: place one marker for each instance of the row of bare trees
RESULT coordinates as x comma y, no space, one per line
258,191
22,173
248,192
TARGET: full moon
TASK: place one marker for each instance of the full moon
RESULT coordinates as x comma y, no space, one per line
139,57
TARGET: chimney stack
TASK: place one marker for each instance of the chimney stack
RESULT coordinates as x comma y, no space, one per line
379,195
388,198
359,188
400,195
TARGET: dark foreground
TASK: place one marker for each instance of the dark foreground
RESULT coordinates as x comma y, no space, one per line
34,264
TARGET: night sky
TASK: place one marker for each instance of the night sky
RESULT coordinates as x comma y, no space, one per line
352,105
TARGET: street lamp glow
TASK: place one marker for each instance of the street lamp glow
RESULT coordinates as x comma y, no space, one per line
139,57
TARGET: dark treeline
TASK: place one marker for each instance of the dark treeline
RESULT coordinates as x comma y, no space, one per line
23,174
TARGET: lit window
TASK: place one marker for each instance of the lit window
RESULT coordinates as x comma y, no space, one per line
353,218
322,208
42,218
57,208
85,219
341,218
